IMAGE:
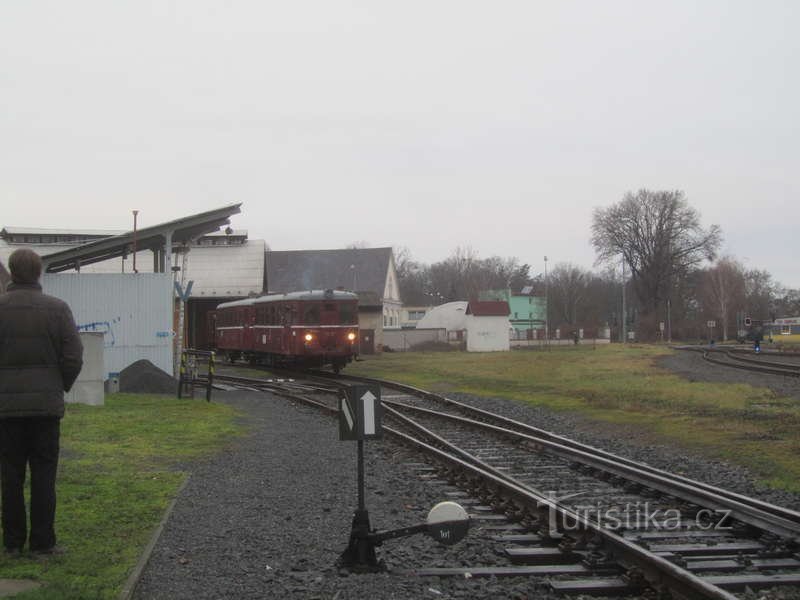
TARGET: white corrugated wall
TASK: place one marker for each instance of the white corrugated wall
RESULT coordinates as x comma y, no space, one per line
134,312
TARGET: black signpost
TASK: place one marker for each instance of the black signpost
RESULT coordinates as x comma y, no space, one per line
360,417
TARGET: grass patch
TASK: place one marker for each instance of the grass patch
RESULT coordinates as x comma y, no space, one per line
621,385
120,467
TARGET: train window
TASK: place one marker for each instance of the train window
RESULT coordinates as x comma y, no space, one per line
329,306
311,314
347,314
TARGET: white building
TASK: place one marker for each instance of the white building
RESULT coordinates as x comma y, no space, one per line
488,326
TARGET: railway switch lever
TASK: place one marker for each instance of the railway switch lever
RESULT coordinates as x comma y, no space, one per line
447,523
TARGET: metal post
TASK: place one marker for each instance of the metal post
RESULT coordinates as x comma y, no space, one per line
361,503
624,312
210,376
181,376
135,213
669,319
546,307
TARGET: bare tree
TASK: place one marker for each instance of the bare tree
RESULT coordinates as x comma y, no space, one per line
659,237
569,285
761,293
725,290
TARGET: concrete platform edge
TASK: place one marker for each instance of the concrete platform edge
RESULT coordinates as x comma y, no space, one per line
133,579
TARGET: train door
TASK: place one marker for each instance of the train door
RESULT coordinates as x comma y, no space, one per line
285,311
248,320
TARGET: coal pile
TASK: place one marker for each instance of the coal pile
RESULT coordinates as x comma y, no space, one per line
143,377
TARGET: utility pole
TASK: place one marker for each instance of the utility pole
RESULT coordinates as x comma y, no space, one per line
624,313
546,307
135,214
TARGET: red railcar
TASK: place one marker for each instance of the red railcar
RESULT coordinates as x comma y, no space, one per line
308,329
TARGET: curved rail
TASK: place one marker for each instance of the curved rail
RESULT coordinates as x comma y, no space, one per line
756,368
656,569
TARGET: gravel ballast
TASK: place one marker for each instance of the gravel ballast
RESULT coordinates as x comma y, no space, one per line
143,377
693,367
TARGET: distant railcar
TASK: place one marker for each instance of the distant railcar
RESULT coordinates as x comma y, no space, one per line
305,329
786,328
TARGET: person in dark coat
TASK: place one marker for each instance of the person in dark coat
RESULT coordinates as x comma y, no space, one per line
40,357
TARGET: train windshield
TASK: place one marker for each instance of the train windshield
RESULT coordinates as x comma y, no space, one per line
348,314
311,314
329,313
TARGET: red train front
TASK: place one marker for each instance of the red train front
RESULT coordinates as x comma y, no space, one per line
309,329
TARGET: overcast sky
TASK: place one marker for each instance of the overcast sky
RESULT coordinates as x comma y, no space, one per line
429,124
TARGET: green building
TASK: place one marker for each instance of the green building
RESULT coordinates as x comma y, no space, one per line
527,311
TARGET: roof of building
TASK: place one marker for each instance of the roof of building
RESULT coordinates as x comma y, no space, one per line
182,230
451,316
358,269
13,230
319,295
489,308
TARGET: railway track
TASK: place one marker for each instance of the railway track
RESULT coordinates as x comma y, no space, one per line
744,359
592,521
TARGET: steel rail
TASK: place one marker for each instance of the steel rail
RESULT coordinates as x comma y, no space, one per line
748,367
656,569
278,388
767,363
741,511
627,468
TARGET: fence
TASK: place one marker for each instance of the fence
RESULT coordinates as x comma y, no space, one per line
402,340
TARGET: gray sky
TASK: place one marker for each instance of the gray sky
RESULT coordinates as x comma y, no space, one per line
433,124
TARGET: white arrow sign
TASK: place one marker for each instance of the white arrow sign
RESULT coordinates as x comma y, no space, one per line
369,413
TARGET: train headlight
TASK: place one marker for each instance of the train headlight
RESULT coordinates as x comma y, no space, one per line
309,337
351,336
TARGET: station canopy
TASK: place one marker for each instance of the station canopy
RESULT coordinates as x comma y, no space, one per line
179,231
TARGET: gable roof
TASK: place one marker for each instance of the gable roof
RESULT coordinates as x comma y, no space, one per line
356,269
489,308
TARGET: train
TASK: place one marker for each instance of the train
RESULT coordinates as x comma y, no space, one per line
307,329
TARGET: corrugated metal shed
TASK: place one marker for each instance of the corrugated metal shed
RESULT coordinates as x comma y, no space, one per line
132,311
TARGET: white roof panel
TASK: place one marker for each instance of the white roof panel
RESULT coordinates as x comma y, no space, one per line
225,271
